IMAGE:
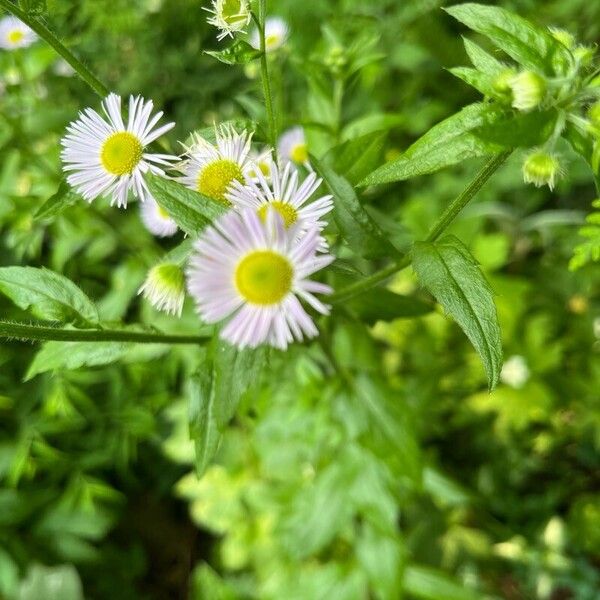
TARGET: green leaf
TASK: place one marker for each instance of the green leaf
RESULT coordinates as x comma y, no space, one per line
482,82
522,130
481,60
430,584
239,53
204,430
452,275
386,306
56,204
189,209
448,143
357,227
51,583
356,158
73,355
531,46
47,294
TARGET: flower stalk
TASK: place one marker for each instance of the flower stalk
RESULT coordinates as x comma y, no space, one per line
264,72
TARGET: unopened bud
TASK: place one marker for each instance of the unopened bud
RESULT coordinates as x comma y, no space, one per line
541,168
584,55
164,288
563,36
528,90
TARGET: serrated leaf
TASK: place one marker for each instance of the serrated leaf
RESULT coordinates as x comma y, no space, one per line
448,270
73,355
482,82
386,306
57,203
356,158
189,209
48,295
204,430
522,130
239,53
447,143
356,226
481,60
530,45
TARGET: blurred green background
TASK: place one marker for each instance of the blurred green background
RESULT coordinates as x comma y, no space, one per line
461,494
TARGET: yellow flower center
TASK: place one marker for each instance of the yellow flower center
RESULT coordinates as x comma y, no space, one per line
215,178
264,277
15,36
288,213
163,214
299,153
121,153
272,41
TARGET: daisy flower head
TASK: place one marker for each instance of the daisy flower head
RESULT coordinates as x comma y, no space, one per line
15,34
156,219
261,163
229,16
106,157
285,194
292,146
211,168
164,288
276,34
255,273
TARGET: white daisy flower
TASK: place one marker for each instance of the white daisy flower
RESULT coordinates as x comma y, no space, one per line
210,169
286,195
261,161
230,16
15,34
254,273
292,146
157,219
276,34
164,288
107,157
515,372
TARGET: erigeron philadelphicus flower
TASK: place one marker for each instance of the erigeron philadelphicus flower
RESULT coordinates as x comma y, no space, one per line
260,162
254,274
164,288
292,146
542,168
157,219
285,194
15,34
276,34
211,169
515,372
528,90
105,157
229,16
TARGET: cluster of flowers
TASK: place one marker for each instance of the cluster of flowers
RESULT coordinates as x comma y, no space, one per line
253,265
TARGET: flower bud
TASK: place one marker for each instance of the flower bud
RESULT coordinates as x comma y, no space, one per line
528,90
584,55
541,168
164,288
566,38
501,83
229,16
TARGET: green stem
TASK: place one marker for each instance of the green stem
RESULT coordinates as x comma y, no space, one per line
53,41
27,332
264,72
451,212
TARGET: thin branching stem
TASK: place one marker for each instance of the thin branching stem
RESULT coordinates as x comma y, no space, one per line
264,71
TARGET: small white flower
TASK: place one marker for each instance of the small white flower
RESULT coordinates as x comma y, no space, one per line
261,161
254,273
15,34
276,34
284,194
211,169
157,219
229,16
515,372
292,146
164,288
107,157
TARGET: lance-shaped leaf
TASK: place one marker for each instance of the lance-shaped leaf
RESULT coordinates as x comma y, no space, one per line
448,270
47,294
57,203
357,227
481,60
189,209
239,53
530,45
448,143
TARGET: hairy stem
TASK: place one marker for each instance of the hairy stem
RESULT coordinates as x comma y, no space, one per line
28,332
451,212
264,72
58,46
